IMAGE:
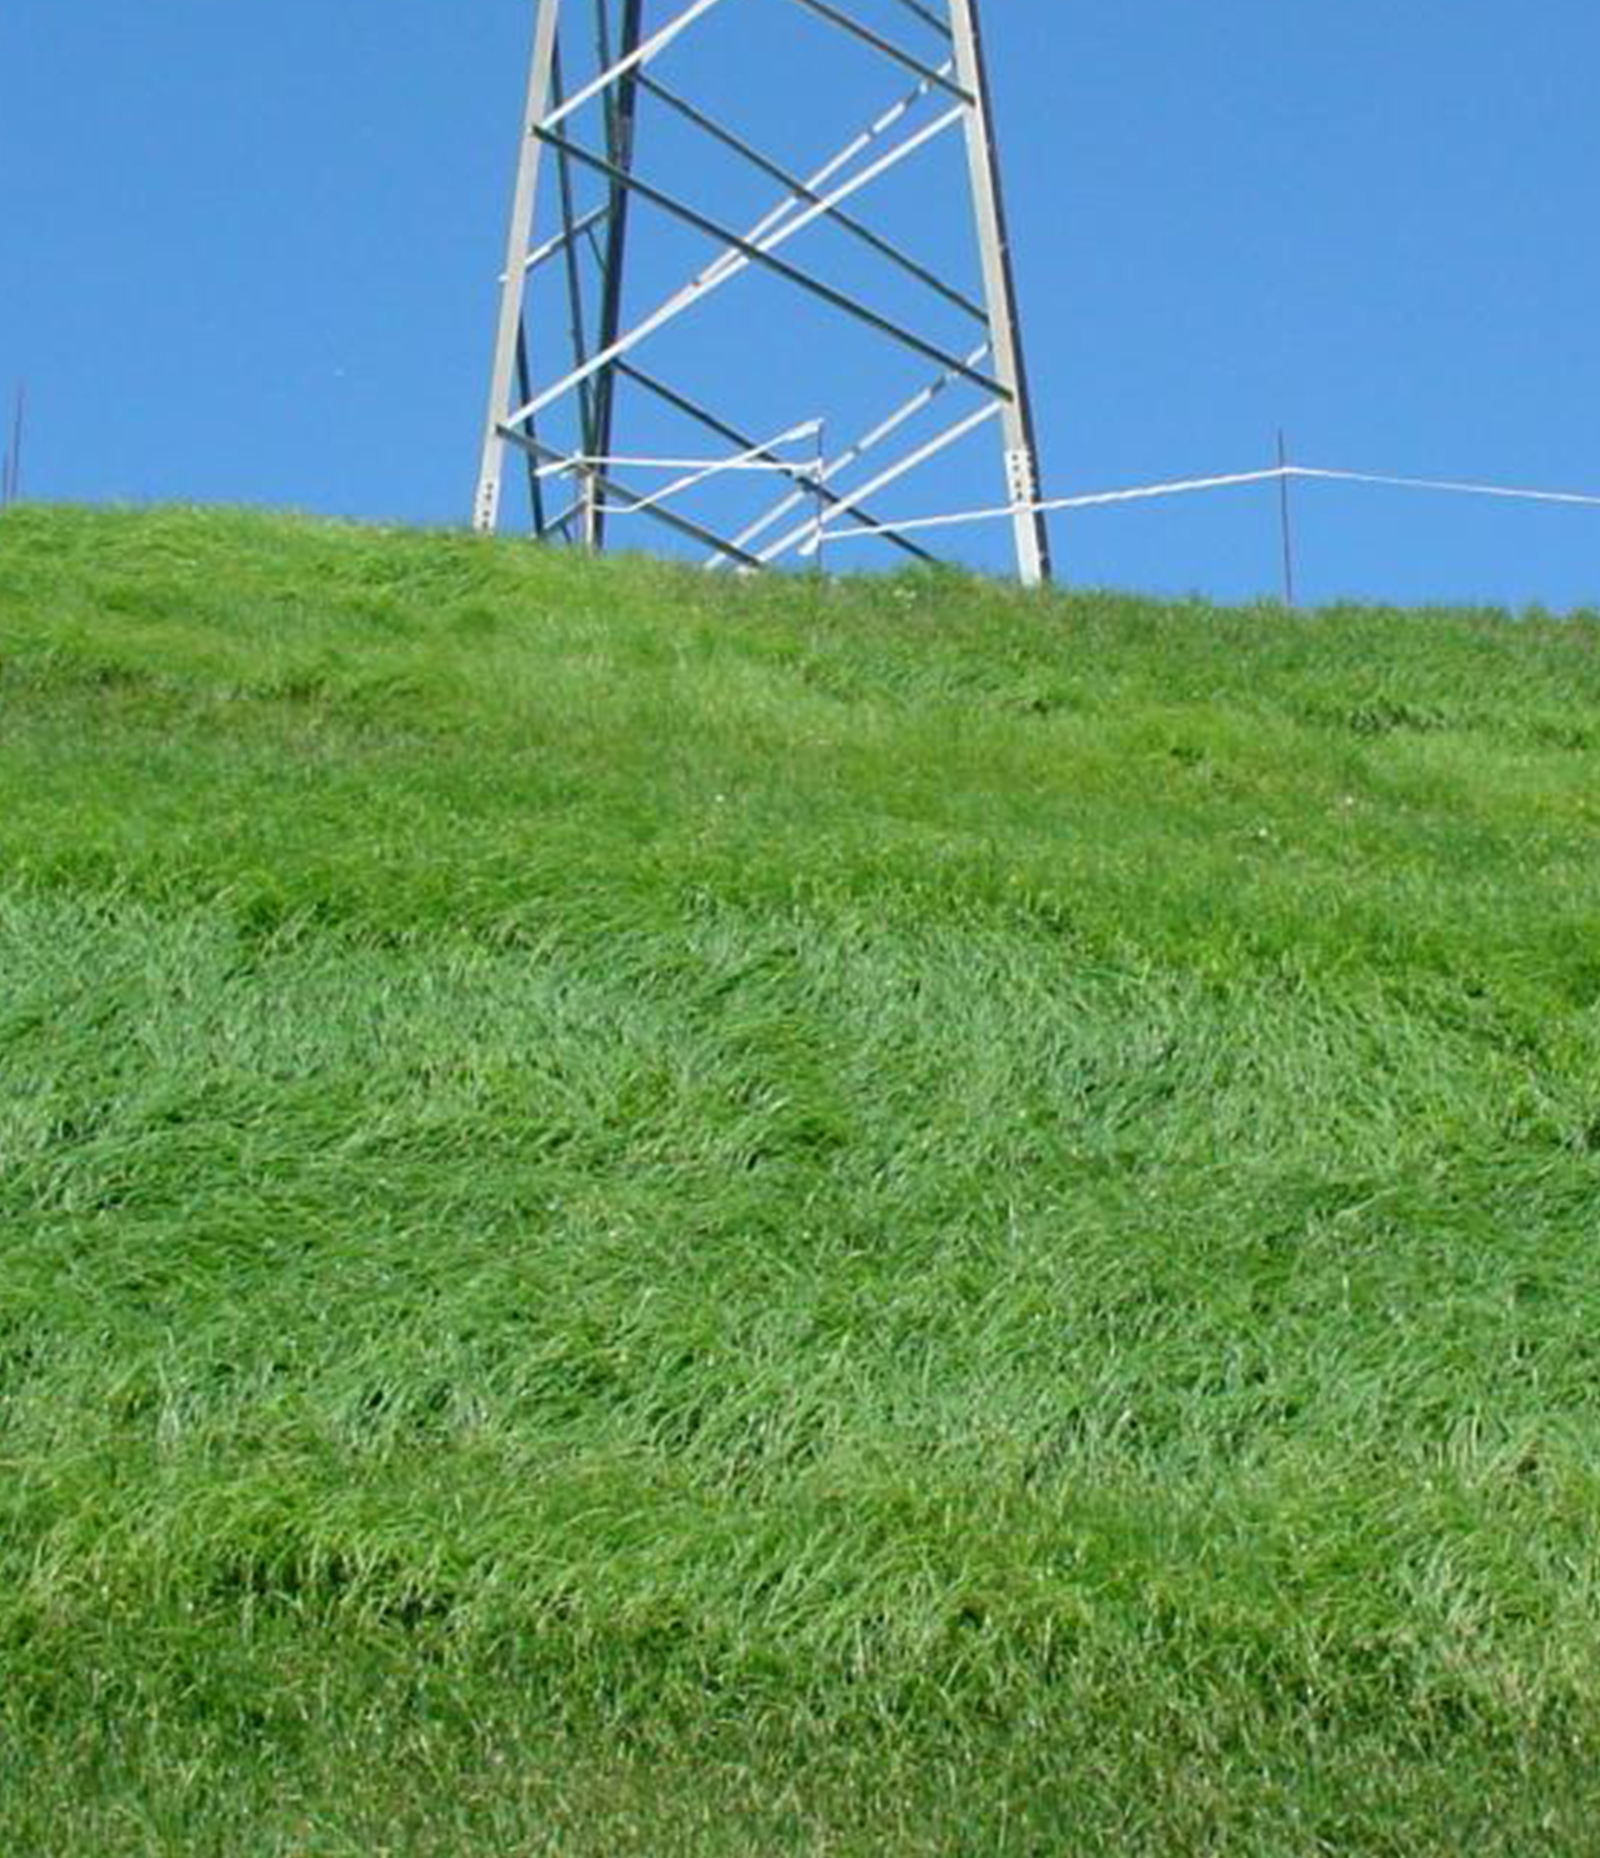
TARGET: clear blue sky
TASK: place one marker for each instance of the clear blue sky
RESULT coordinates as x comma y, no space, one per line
248,254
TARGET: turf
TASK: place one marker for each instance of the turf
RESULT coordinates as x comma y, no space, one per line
643,1214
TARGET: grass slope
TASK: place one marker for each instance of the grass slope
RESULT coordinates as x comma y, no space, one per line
647,1215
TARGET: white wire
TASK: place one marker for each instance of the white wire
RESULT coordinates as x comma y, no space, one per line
561,467
1445,484
748,460
1186,486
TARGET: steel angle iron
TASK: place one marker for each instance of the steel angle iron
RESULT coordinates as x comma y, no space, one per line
632,215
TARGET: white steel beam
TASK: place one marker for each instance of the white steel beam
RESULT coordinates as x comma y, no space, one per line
1021,459
491,471
592,76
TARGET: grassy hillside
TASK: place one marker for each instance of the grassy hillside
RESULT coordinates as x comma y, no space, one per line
650,1215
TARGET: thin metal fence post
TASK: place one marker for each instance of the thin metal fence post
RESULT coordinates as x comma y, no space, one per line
11,471
1286,522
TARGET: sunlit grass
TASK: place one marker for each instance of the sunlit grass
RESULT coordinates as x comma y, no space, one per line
647,1214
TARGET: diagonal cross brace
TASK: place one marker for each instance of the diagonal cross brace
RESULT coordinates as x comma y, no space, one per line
614,82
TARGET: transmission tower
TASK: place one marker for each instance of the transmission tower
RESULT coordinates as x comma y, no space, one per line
775,229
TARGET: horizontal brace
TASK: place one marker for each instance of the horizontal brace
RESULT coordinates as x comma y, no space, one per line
625,462
754,457
701,472
696,532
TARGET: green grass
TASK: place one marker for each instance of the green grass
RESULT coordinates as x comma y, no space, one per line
649,1215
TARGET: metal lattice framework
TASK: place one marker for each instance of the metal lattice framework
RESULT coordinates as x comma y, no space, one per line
641,196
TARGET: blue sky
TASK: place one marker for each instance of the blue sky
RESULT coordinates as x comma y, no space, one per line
249,255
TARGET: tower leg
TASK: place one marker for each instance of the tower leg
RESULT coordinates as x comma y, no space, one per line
508,333
595,71
999,286
621,126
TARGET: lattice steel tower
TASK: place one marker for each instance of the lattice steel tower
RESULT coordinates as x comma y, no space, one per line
774,229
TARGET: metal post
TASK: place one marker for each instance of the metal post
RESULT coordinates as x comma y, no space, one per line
11,470
1022,459
1285,520
509,330
622,198
622,113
